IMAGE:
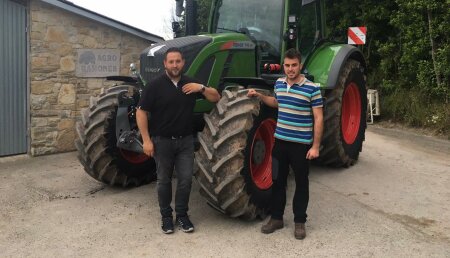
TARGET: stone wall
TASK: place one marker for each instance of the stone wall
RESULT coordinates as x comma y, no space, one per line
57,95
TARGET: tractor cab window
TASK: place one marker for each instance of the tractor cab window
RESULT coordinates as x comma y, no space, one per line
260,19
310,29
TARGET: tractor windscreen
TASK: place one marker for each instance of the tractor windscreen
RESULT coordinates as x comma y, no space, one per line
261,19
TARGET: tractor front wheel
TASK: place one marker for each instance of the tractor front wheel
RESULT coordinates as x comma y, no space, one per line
234,164
96,144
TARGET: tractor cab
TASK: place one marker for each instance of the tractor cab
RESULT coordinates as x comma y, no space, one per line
273,26
262,21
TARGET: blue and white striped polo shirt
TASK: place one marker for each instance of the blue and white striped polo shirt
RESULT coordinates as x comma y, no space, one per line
295,103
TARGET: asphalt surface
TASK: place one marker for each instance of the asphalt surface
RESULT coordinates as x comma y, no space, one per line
395,202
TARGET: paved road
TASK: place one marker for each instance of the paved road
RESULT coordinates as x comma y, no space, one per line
394,203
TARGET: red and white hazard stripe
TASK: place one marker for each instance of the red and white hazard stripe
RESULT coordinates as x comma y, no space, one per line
357,35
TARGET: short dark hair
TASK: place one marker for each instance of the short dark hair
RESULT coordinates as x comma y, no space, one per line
293,53
173,50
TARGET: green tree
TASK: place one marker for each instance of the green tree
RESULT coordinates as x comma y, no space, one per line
418,91
423,48
367,13
408,52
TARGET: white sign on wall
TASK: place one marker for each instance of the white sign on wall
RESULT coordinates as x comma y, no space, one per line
98,62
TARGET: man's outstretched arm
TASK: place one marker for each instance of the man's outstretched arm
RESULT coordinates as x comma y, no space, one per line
268,100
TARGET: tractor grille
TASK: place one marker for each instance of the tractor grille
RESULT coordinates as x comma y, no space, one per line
153,56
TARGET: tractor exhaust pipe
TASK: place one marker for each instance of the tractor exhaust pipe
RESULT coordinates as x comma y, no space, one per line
179,7
190,16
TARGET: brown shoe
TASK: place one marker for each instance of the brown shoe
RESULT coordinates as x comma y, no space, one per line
300,232
272,225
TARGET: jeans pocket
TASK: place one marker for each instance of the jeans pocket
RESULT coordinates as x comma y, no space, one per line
156,141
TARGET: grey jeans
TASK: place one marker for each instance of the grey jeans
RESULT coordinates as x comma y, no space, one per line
170,154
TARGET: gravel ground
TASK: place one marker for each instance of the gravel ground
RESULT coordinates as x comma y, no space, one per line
393,203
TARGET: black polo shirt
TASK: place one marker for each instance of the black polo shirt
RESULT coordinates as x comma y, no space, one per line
171,110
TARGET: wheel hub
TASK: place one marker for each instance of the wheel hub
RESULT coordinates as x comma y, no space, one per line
133,157
261,157
259,151
351,113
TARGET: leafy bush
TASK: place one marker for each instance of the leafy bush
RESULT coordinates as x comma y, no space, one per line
416,108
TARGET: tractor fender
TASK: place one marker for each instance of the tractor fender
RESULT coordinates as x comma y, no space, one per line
346,52
128,79
249,81
327,61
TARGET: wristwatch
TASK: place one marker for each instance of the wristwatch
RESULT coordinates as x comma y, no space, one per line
203,88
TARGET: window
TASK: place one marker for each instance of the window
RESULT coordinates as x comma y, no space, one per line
309,26
261,19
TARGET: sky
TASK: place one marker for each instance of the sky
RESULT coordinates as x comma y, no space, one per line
154,16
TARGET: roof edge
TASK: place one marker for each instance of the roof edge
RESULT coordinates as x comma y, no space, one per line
76,9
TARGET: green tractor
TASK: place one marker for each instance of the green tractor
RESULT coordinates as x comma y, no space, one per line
243,49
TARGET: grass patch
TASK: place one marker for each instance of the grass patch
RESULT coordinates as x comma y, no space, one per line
416,109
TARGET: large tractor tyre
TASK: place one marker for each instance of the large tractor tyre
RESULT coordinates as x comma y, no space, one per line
234,164
96,143
345,118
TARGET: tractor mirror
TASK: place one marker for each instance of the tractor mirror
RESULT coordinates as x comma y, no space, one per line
176,27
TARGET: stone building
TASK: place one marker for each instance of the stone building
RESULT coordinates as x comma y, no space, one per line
55,55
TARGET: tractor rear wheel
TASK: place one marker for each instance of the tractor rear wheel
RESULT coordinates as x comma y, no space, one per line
96,143
345,118
234,164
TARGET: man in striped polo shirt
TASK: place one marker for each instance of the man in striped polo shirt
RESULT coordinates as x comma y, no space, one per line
297,140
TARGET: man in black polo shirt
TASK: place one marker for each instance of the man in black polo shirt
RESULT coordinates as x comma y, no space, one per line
170,99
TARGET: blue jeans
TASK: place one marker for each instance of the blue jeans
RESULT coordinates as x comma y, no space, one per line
173,154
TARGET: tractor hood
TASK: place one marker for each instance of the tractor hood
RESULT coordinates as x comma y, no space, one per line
151,59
